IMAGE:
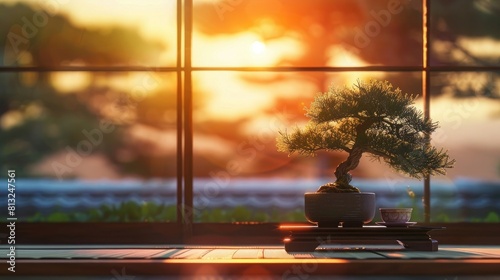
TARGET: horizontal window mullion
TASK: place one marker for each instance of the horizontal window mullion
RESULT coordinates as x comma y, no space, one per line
354,69
255,69
313,69
463,68
87,69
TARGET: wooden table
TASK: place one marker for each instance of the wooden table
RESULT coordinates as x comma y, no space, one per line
127,262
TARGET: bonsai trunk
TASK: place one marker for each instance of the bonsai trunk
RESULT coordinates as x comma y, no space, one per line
352,161
343,175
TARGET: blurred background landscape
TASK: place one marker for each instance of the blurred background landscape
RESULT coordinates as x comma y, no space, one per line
120,126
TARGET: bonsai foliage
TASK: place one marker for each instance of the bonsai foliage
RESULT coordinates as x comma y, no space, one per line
372,118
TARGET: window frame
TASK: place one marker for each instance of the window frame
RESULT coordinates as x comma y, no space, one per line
184,230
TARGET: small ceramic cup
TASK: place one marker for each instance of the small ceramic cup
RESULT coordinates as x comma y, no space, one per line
395,215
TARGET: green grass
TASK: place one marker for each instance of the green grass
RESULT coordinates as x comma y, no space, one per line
151,212
125,212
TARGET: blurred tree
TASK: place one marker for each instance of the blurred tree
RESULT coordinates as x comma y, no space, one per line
37,120
454,23
53,40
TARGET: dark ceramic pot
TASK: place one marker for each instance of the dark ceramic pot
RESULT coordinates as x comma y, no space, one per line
334,209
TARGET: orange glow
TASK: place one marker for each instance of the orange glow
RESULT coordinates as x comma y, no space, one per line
229,97
395,255
257,261
291,225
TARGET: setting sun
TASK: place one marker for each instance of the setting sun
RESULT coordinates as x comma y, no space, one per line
258,47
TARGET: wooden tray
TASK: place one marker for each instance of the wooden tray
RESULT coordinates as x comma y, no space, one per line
307,238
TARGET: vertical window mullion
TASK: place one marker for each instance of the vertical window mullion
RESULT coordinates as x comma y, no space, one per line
426,95
179,100
188,121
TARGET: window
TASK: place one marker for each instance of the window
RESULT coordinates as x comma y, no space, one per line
464,99
88,89
166,111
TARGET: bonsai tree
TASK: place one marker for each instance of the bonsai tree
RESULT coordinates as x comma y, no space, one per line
372,118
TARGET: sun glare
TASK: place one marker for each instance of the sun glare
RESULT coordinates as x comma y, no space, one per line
258,47
68,82
339,56
342,57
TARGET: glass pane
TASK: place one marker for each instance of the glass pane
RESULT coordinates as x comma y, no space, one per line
90,146
465,32
307,33
467,105
240,175
88,33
